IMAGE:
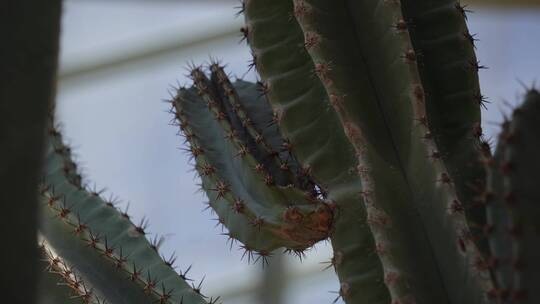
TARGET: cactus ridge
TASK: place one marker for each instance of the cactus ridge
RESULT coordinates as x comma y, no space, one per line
63,283
448,67
513,205
262,135
258,212
108,251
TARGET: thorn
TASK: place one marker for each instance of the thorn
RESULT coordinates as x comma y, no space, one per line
143,225
243,150
257,222
311,40
244,30
409,55
471,38
238,205
462,9
475,65
400,25
221,188
445,178
183,274
248,252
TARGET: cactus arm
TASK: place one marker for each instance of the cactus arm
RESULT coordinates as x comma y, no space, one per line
29,53
513,207
449,71
425,267
259,213
102,245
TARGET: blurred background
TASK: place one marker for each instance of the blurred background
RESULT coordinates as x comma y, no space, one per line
120,59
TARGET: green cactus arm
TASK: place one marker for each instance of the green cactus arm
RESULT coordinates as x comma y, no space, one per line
258,212
102,245
513,209
359,38
449,71
29,53
306,119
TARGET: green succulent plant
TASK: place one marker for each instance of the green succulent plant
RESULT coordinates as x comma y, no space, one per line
364,129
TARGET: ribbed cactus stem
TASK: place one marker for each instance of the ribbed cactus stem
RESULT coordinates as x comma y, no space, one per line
101,244
255,199
391,101
512,203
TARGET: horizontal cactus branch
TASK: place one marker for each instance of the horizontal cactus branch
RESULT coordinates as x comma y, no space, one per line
101,244
235,167
513,208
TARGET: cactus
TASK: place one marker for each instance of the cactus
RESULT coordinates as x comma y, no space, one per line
512,201
102,255
364,129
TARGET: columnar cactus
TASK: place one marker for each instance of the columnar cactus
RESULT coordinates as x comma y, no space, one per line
364,129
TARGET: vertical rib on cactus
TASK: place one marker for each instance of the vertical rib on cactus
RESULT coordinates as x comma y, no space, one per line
313,129
264,123
266,152
513,208
258,212
101,244
421,214
449,71
30,36
498,221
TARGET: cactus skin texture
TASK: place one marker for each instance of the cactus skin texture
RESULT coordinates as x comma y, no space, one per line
97,246
257,191
29,51
513,205
366,64
449,69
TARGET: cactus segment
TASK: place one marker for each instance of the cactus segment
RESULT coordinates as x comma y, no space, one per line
448,67
513,211
102,245
412,223
258,212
